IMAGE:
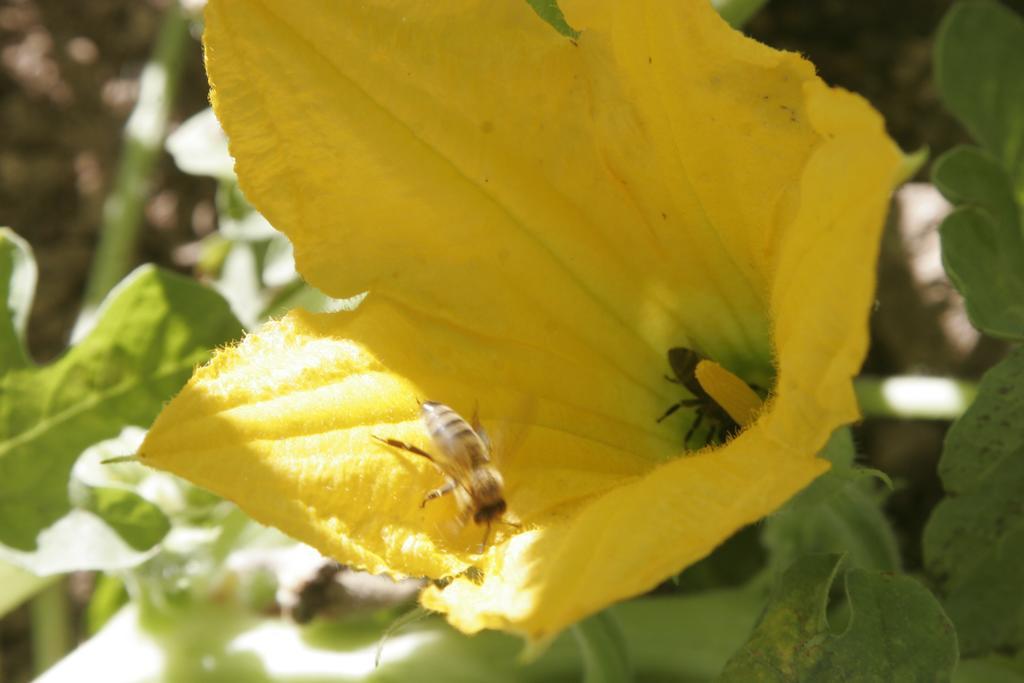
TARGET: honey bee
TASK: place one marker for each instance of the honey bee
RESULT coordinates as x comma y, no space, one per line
684,363
464,458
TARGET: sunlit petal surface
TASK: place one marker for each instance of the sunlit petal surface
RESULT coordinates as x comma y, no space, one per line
538,221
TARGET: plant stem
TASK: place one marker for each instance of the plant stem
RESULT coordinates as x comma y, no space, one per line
914,398
142,141
603,649
17,586
51,626
738,12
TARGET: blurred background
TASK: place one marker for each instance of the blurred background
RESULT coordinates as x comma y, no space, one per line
71,76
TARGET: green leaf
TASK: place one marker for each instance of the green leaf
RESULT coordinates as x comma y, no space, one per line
979,56
17,287
687,637
974,541
982,240
839,512
979,59
897,630
152,330
740,559
549,11
993,669
81,540
603,649
140,523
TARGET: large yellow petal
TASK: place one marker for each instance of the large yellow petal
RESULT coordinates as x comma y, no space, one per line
538,221
823,286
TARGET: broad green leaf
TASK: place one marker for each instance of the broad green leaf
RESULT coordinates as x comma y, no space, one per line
974,541
839,512
979,59
153,329
982,240
897,630
549,11
17,287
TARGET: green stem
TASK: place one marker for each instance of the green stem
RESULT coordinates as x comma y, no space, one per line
143,139
914,398
17,586
738,12
51,626
603,649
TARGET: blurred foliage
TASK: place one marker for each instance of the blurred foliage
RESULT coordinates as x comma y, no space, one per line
979,60
974,542
840,512
896,632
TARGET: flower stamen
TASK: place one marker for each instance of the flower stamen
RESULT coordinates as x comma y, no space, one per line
727,402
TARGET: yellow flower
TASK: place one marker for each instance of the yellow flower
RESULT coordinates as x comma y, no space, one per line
538,221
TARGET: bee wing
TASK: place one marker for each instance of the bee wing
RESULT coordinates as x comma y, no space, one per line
479,428
511,427
453,463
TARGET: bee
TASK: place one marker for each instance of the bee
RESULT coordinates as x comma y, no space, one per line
464,458
684,364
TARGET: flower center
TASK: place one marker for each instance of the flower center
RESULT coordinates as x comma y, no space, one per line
722,403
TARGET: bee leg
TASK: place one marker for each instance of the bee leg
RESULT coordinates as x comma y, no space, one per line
693,427
685,403
395,443
721,433
671,409
487,536
437,493
730,430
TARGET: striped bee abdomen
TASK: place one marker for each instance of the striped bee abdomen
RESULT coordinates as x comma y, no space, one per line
452,433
